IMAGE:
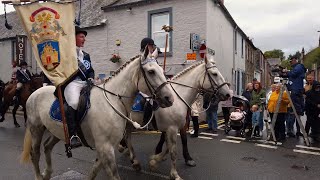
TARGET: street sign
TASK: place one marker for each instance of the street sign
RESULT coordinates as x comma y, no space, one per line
191,56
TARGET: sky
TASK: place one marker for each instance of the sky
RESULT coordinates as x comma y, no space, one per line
288,25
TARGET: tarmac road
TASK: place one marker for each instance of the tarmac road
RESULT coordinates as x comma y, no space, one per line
218,157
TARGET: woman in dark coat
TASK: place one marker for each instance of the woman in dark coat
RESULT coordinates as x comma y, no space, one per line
313,110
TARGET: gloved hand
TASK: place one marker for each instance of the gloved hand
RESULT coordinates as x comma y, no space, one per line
90,81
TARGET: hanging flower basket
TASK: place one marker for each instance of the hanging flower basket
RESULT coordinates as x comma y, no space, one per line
115,58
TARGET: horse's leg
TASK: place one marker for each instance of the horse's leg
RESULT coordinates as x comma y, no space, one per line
160,143
187,158
36,133
50,142
14,111
5,108
95,169
107,156
172,146
135,163
154,159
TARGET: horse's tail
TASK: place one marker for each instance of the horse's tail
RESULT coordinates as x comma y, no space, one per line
25,155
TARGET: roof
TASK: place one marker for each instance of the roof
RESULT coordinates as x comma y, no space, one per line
124,4
90,16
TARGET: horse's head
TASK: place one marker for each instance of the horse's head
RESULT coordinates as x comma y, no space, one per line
36,82
154,82
215,79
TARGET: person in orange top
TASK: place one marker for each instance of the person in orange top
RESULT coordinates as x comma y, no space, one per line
279,128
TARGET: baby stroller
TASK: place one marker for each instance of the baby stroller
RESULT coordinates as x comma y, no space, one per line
238,116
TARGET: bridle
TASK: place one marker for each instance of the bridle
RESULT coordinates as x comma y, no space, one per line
202,90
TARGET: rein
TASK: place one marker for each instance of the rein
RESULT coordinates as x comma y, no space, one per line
201,90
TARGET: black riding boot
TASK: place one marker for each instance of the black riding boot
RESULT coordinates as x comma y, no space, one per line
72,127
195,126
16,97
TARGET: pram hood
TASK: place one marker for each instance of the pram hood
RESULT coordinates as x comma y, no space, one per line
237,98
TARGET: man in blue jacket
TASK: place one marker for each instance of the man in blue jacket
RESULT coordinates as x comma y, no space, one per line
295,86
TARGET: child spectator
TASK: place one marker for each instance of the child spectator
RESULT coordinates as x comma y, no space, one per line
255,120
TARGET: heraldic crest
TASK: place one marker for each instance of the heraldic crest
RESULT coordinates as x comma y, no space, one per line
45,32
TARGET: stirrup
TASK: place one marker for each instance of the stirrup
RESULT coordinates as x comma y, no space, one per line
78,144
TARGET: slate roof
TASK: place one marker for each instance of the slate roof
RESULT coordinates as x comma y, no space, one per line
91,15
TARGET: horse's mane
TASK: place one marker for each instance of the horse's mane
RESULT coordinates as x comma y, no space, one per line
187,70
122,67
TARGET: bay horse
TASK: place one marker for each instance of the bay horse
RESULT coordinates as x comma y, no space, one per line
9,92
198,78
2,85
104,125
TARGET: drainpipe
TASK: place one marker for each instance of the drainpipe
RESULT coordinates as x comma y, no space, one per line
234,60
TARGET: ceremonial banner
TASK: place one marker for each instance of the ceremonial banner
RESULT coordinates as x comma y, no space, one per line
50,29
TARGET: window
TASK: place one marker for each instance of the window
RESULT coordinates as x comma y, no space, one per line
242,42
13,51
156,19
235,42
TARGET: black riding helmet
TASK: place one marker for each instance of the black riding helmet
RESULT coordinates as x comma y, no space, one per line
147,41
78,30
23,63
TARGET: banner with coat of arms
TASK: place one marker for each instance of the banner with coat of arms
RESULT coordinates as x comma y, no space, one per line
50,29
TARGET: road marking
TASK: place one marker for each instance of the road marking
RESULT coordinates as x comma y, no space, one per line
306,147
269,142
144,172
237,138
204,137
221,127
209,134
231,141
306,152
266,146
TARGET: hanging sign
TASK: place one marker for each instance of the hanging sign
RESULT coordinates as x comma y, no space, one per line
21,45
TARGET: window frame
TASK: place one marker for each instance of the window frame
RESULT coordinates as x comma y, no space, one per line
159,11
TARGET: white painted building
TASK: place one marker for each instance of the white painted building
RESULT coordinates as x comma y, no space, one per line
129,21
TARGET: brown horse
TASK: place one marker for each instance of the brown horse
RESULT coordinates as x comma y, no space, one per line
9,92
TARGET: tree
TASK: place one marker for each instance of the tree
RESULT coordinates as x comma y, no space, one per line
276,53
297,54
286,64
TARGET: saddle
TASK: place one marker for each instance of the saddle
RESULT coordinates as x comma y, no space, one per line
83,107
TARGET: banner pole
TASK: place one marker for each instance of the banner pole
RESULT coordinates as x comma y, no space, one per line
167,29
64,122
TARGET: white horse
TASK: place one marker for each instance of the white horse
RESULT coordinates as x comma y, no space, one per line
200,77
102,127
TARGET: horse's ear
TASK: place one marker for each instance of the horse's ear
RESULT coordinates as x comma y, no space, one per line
155,54
211,59
145,53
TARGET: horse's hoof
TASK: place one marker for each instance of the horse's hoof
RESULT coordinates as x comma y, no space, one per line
17,125
121,148
153,165
136,166
191,163
173,177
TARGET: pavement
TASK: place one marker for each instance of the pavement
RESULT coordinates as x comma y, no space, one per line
218,156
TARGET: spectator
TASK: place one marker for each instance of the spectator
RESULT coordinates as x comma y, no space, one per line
279,128
211,113
272,88
313,110
248,94
255,120
295,85
257,94
307,87
196,108
226,105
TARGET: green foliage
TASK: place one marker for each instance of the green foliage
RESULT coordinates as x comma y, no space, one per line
312,57
286,64
276,53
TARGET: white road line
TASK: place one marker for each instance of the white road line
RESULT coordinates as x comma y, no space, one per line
306,147
144,172
306,152
266,146
269,142
204,137
237,138
231,141
221,127
209,134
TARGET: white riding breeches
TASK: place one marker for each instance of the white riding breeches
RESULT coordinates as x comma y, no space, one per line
72,93
19,85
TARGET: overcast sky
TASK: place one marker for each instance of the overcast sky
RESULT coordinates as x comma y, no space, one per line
274,24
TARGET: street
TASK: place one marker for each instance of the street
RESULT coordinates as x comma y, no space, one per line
217,156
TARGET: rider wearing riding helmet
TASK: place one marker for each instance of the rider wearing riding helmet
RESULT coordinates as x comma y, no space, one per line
23,76
78,82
